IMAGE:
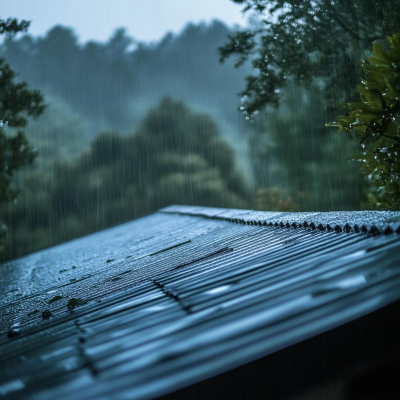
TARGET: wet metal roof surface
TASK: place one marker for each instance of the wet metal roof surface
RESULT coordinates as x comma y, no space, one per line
171,299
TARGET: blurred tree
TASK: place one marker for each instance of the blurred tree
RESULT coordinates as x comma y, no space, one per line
58,134
94,80
306,40
196,163
293,151
112,85
175,156
119,43
17,102
115,83
375,121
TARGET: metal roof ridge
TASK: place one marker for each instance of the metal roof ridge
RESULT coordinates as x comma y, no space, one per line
370,222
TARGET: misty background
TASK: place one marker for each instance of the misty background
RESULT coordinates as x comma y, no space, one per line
135,123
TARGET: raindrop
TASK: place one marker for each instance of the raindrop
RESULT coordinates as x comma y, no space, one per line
217,290
74,302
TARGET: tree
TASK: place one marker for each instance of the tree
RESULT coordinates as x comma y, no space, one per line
58,134
375,121
307,40
296,158
184,159
17,102
175,156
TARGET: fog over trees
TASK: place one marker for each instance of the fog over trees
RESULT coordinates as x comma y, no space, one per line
124,127
119,139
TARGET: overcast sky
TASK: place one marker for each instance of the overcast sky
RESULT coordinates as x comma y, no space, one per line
145,20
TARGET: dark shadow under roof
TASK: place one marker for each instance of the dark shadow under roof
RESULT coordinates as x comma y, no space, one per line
151,306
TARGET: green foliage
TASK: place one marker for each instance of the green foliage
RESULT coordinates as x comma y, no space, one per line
11,26
175,156
17,102
375,121
305,40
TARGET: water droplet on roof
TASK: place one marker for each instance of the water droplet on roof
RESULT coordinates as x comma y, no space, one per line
218,289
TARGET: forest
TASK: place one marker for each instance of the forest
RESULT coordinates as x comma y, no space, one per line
212,116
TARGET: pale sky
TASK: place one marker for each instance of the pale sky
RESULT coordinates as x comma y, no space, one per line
145,20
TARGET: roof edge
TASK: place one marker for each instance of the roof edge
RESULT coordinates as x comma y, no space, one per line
371,222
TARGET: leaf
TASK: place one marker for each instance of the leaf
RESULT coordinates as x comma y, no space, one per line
380,52
344,120
371,98
376,122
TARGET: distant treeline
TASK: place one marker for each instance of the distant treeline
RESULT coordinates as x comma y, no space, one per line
113,84
93,87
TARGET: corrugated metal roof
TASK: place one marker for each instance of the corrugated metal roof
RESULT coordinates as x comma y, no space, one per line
156,304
